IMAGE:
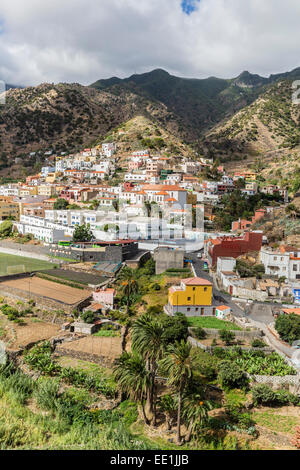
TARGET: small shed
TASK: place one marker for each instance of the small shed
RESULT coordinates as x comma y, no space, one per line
84,328
223,311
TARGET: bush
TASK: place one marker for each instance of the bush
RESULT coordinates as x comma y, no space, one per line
88,317
227,336
257,343
11,313
265,395
232,376
200,333
288,327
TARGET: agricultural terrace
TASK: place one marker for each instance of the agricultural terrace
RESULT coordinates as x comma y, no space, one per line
57,292
74,276
10,264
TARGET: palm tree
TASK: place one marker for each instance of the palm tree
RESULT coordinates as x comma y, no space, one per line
129,285
147,340
195,412
168,406
133,378
178,365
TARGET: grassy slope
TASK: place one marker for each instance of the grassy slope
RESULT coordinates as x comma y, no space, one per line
211,322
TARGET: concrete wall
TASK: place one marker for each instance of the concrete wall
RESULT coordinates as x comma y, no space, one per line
250,294
167,258
190,311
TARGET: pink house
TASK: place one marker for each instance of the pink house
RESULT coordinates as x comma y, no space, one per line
105,297
135,163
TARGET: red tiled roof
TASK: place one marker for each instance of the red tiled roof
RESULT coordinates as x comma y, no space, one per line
196,281
290,311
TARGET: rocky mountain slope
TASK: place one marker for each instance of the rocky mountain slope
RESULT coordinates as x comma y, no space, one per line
68,117
239,120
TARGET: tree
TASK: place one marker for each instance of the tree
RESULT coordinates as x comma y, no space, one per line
6,229
129,285
83,233
232,376
178,365
88,317
175,328
133,378
227,336
288,327
168,406
60,204
195,412
147,340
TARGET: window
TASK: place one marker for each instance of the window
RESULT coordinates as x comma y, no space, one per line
205,289
189,299
295,268
188,309
194,288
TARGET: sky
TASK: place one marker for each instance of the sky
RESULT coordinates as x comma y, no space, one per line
85,40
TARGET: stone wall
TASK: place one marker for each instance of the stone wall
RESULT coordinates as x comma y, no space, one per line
101,360
251,335
250,294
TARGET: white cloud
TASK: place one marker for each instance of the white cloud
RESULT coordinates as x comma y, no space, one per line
83,40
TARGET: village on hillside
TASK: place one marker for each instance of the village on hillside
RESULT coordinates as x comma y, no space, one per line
99,243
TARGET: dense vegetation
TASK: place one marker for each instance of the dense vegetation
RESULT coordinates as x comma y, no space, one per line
288,327
236,205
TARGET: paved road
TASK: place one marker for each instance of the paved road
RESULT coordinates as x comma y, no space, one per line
220,297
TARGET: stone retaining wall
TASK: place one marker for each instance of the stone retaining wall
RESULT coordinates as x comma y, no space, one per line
101,360
251,335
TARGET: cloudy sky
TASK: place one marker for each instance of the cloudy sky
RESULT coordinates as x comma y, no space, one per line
83,40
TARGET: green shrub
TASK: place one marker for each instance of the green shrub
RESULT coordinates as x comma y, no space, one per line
200,333
265,395
257,343
232,376
288,327
227,336
88,317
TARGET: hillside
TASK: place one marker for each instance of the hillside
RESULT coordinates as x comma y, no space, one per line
197,104
68,117
141,133
238,120
267,129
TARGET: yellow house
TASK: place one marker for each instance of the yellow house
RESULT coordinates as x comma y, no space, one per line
46,190
193,298
8,208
